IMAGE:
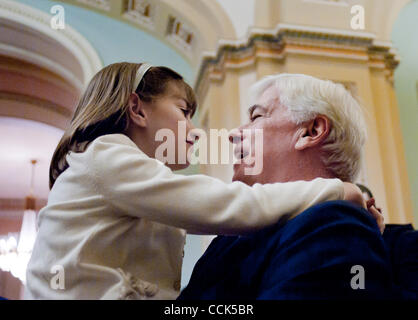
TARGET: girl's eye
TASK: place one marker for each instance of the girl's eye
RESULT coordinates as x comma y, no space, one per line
186,112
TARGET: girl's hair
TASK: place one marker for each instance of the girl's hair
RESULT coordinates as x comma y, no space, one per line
103,107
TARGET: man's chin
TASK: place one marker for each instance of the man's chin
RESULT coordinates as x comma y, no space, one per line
239,175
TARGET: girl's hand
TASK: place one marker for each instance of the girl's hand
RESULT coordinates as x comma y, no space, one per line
353,194
377,214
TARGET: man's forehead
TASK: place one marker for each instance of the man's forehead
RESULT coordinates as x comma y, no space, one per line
268,95
267,100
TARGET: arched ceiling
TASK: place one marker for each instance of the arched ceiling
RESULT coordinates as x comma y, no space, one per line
42,71
30,92
27,35
188,28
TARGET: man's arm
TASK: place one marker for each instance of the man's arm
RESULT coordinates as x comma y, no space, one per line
331,251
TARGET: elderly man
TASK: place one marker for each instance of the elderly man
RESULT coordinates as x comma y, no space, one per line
311,128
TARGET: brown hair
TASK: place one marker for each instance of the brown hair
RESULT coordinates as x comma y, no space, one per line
102,108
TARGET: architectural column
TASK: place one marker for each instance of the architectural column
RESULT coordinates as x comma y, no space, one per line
391,145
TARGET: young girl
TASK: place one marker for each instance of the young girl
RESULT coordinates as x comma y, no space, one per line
114,224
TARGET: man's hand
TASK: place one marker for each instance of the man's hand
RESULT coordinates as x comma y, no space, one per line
353,194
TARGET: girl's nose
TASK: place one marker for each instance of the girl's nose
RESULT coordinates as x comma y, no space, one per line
194,134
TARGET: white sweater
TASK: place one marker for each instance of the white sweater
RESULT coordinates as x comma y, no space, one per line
115,221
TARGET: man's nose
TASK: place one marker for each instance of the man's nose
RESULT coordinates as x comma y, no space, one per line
235,135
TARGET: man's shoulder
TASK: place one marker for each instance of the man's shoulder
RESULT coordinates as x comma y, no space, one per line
333,212
328,232
339,209
314,254
338,215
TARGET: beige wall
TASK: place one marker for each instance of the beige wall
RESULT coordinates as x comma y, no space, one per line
380,15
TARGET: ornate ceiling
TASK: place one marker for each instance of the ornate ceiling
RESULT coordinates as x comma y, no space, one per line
190,27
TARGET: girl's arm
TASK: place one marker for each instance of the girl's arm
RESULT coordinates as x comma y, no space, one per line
139,186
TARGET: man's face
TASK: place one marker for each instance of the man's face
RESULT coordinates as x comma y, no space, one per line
279,137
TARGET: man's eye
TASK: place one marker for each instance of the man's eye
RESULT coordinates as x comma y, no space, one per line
255,117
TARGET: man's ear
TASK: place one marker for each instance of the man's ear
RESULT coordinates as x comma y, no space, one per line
136,111
313,132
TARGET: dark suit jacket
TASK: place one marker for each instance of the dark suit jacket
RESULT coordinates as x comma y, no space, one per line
308,257
402,244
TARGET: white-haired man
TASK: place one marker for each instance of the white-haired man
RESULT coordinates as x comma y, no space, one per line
311,128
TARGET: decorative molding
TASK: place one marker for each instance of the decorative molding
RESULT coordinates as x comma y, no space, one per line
43,62
35,109
70,39
343,3
141,12
23,68
99,4
285,40
44,104
203,22
180,34
19,204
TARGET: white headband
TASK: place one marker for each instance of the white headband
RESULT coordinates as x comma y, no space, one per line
142,70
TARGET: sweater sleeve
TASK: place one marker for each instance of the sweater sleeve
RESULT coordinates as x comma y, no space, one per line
140,186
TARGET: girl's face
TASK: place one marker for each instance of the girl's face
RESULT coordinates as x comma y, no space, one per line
167,134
